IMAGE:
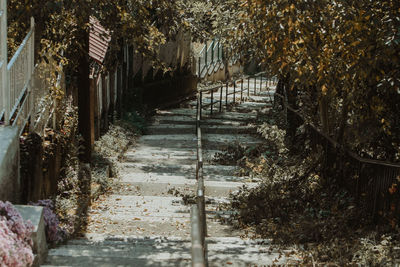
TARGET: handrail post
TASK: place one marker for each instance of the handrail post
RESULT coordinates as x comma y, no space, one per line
205,53
212,101
220,99
197,212
202,210
255,85
234,91
212,51
226,99
198,253
241,91
199,67
201,103
248,86
218,52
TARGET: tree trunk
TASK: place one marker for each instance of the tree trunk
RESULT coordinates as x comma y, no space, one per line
324,113
85,102
343,121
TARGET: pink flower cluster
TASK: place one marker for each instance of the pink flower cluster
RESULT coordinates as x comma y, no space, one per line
15,238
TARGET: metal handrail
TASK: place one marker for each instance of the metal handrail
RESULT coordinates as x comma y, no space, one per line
220,89
198,215
198,212
334,143
20,48
210,55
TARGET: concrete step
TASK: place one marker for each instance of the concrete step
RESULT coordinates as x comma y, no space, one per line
235,251
189,129
150,215
182,176
158,168
191,112
149,184
159,251
160,120
233,116
190,140
228,116
250,106
221,141
145,220
171,156
133,252
266,97
174,119
181,141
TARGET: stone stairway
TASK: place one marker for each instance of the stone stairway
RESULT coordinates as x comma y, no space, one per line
145,220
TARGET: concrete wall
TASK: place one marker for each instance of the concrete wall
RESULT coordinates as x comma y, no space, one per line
10,184
174,53
218,73
170,90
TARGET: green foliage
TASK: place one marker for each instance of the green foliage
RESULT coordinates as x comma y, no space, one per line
298,208
343,59
60,25
137,121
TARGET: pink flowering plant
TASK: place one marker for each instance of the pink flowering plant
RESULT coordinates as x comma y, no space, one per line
15,238
54,233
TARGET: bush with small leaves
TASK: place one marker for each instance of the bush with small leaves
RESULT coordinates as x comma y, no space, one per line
54,233
15,238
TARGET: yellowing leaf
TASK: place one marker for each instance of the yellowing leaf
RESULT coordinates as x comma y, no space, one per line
324,89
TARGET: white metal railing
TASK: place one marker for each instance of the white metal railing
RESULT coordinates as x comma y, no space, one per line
210,55
25,94
3,59
19,74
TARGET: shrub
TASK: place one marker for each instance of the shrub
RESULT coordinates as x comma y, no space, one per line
15,238
54,233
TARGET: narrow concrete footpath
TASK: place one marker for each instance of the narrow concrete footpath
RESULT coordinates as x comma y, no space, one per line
145,221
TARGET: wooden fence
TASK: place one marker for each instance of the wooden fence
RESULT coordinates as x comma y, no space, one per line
107,94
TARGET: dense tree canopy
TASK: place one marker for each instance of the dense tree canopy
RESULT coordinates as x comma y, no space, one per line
60,23
341,58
